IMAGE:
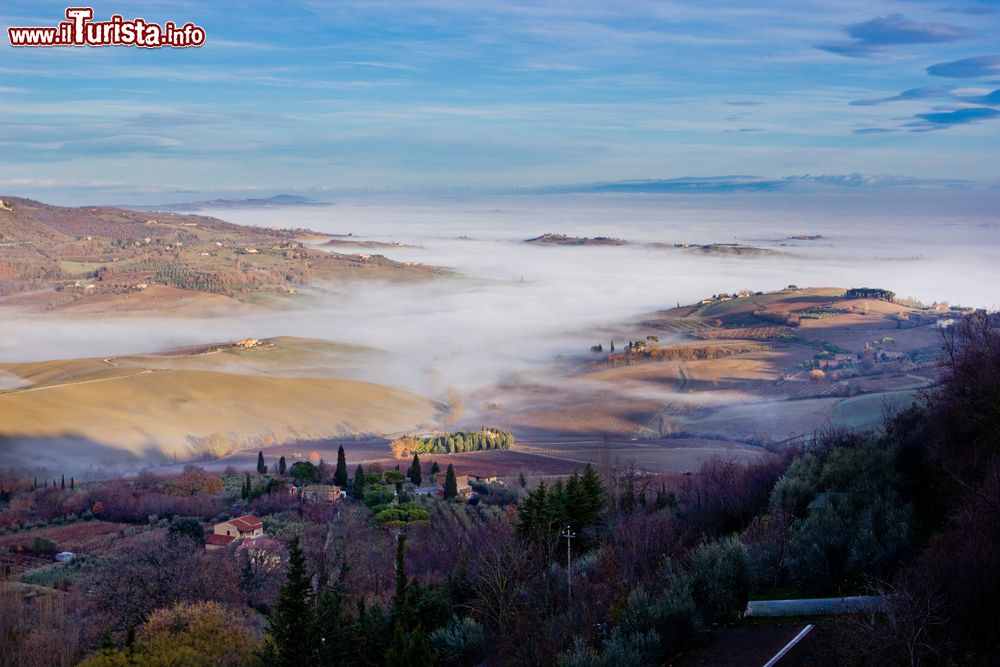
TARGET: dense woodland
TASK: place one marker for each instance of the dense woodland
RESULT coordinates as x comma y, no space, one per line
910,511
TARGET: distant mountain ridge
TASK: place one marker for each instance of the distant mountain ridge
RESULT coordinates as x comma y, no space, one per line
744,183
267,202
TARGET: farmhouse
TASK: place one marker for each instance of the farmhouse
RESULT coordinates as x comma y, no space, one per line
485,479
245,527
464,490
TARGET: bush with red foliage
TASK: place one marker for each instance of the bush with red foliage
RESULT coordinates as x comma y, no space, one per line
724,496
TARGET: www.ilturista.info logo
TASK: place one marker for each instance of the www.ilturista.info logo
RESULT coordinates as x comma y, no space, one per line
80,30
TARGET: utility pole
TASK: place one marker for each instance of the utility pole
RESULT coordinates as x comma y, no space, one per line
569,535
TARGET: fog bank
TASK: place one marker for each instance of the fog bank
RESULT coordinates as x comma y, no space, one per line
513,305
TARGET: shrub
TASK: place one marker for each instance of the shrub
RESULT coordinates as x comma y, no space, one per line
377,494
460,642
304,472
720,582
43,546
634,650
187,528
671,614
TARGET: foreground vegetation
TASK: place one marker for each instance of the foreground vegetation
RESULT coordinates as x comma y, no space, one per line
909,512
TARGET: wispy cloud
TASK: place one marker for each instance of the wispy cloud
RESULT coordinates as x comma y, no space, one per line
871,37
922,93
967,68
970,11
945,119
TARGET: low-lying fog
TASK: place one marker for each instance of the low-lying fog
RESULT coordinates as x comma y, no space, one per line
515,304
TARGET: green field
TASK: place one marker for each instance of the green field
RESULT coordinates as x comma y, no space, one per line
80,268
869,409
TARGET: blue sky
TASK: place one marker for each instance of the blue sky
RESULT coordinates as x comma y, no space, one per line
429,94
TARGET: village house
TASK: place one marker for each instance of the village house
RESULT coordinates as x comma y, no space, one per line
241,528
322,493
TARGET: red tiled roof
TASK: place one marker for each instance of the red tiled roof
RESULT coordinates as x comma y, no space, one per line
247,523
219,540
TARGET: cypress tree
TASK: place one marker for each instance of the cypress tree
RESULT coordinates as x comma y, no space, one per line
358,488
62,483
261,468
399,599
340,476
450,483
416,476
72,483
435,468
287,645
282,466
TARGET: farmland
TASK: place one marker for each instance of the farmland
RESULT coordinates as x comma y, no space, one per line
56,257
725,370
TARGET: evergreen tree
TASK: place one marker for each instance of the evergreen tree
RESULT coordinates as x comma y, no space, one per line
340,476
435,468
281,466
261,468
72,483
450,483
358,487
288,641
592,495
530,513
62,483
574,502
416,476
409,649
372,629
522,482
333,629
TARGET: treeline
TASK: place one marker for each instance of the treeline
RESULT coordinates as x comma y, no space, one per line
869,293
452,443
